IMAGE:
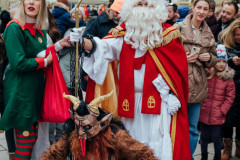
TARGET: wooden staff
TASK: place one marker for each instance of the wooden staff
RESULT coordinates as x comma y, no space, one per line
77,49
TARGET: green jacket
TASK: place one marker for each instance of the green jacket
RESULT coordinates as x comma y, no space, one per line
24,82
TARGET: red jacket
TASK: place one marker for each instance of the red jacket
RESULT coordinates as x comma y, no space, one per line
221,94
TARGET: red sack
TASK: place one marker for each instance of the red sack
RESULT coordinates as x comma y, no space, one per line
55,106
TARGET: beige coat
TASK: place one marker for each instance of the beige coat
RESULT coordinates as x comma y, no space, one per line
198,87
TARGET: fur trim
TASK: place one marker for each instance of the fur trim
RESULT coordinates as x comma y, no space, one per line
121,143
129,148
58,150
96,148
170,36
61,5
227,75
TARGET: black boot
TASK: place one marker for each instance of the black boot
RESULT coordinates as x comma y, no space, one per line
204,156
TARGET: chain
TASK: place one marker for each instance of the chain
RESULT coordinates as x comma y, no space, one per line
72,70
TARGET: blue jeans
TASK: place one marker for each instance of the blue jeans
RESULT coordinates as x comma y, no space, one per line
193,110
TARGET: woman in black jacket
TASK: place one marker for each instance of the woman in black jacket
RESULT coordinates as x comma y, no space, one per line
231,39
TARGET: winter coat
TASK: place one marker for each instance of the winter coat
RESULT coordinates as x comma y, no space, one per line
221,93
65,61
212,23
233,118
24,81
198,87
3,64
66,67
219,28
63,18
100,26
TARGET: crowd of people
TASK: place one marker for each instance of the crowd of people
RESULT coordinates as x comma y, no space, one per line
174,72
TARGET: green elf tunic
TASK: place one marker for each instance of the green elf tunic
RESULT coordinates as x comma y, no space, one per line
24,76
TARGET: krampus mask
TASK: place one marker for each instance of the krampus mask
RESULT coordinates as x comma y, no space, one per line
89,119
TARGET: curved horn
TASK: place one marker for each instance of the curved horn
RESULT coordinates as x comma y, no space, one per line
76,102
93,106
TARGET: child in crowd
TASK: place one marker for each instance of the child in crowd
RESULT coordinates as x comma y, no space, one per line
221,93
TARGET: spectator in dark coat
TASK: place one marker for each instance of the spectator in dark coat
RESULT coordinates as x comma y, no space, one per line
62,16
231,39
172,13
211,19
5,18
228,15
101,25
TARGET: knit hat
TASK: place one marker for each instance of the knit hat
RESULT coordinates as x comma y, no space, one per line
117,5
80,9
213,5
221,52
183,12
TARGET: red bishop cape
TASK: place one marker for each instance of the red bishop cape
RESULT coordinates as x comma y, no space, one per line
170,59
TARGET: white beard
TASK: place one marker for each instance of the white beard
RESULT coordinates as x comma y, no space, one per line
144,26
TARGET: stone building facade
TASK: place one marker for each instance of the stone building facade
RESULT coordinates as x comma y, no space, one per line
4,4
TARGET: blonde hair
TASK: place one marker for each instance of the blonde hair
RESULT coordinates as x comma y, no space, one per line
226,37
41,20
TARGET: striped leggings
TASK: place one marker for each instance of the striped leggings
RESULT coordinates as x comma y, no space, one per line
24,144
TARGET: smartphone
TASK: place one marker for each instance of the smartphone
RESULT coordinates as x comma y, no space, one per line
195,49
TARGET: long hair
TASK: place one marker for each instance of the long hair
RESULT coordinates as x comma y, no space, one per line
226,37
42,16
53,29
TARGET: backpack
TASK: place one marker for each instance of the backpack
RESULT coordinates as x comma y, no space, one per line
3,64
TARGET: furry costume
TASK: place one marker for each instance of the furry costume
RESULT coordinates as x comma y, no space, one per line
112,142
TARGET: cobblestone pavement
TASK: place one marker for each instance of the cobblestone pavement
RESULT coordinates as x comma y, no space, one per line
197,154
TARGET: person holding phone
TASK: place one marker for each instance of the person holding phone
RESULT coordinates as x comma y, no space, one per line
200,47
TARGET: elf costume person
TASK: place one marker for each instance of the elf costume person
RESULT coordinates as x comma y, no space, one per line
152,74
27,52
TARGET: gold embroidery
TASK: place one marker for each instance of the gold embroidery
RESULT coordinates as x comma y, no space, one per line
125,105
114,35
173,131
162,70
39,39
168,30
166,77
168,34
151,102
